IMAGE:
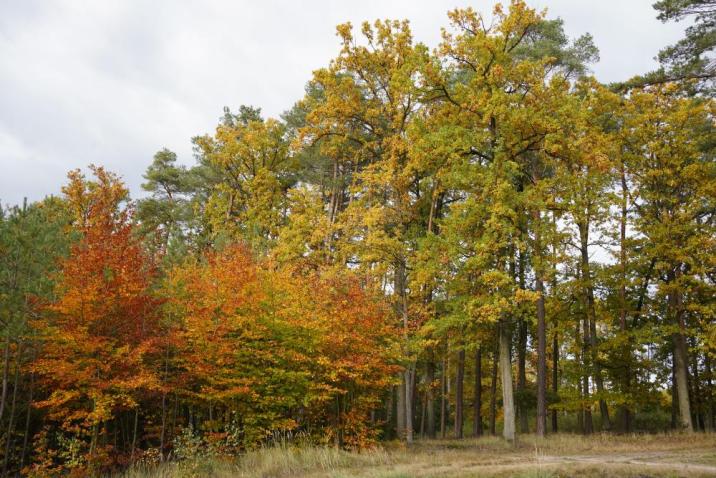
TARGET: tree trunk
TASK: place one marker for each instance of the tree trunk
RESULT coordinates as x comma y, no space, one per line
508,399
682,388
674,397
493,394
587,409
577,359
134,433
459,382
555,376
477,403
541,331
522,353
590,313
444,380
709,394
11,420
5,367
681,356
409,402
400,409
28,416
698,418
625,418
430,398
522,374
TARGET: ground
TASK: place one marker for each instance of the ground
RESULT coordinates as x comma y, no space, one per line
632,456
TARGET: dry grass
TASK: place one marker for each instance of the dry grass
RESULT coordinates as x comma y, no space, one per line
604,456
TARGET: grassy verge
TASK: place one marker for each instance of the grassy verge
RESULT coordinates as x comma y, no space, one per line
604,456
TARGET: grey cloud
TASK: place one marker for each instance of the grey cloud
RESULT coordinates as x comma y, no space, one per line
112,82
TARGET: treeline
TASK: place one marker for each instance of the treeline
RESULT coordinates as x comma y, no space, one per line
429,243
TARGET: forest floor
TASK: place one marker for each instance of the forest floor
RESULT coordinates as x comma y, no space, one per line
563,455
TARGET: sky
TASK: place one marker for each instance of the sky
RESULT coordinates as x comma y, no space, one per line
112,82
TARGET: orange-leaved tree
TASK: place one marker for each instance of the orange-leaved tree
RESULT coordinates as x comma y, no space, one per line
99,336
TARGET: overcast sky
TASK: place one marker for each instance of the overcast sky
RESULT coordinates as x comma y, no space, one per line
111,82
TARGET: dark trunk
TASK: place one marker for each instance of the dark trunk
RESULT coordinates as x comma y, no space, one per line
493,394
11,420
588,424
541,331
709,394
590,338
555,376
430,398
698,419
28,416
443,397
459,382
477,403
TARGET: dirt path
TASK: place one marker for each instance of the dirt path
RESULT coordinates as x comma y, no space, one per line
643,464
651,460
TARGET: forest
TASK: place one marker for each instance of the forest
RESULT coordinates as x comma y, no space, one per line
472,238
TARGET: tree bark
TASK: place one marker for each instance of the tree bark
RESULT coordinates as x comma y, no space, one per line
709,394
28,416
5,367
493,394
477,401
508,399
443,396
555,376
541,331
590,314
587,409
522,354
681,356
625,414
11,419
400,409
459,382
430,398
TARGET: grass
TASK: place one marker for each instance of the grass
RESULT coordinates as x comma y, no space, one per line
604,456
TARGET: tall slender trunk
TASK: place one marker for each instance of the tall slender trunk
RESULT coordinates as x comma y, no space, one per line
522,374
674,396
578,360
134,432
400,408
555,376
164,408
430,398
459,382
681,356
508,398
709,394
5,368
400,284
493,393
590,317
28,416
11,419
541,330
522,353
587,409
698,419
423,414
625,414
444,380
477,403
409,402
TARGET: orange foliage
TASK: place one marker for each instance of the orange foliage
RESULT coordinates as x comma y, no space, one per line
98,334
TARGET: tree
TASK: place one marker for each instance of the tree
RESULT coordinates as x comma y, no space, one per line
100,332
